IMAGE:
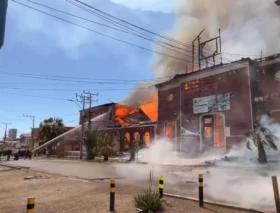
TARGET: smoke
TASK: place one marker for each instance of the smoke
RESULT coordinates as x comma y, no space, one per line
247,27
240,181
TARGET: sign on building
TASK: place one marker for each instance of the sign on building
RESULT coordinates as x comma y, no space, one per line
211,103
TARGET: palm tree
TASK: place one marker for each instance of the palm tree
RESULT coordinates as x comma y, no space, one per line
51,128
106,146
263,139
91,140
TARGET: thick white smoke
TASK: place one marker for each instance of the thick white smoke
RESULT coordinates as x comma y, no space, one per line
247,27
241,181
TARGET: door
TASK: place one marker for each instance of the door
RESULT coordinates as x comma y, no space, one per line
208,130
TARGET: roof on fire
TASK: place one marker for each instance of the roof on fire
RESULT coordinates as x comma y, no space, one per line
178,76
258,60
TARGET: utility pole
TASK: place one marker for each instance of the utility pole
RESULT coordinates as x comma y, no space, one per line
5,136
90,102
31,146
82,98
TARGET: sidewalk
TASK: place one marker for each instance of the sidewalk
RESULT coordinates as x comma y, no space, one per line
65,195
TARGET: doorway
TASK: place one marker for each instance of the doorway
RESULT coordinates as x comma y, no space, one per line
213,131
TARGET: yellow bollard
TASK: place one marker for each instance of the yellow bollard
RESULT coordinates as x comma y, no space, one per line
112,195
160,186
200,189
30,205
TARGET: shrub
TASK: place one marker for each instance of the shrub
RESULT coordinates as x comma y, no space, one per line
62,154
148,201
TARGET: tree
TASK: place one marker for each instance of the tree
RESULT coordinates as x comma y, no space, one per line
91,139
263,139
106,146
51,128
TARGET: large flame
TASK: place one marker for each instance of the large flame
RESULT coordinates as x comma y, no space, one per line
151,107
123,111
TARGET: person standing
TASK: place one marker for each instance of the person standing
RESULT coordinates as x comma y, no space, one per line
28,154
9,152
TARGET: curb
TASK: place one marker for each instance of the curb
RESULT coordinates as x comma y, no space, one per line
15,167
214,203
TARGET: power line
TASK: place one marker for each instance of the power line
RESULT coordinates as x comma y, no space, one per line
158,42
132,31
78,79
102,34
136,26
33,96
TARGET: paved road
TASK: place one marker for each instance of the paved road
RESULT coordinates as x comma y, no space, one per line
247,187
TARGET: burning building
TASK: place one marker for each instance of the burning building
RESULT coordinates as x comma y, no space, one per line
213,107
209,108
121,122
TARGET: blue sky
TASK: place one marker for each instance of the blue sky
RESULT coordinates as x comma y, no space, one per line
37,44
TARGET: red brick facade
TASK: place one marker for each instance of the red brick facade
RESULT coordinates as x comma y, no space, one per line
187,88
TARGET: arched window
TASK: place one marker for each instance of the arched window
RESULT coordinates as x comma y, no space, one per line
127,137
147,139
137,136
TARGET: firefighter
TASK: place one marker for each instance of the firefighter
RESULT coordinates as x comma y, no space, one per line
28,154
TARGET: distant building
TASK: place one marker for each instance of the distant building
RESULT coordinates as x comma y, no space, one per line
3,12
25,139
12,134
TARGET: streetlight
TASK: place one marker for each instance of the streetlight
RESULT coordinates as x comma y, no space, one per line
74,102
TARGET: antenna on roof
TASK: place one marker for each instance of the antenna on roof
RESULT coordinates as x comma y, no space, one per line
205,56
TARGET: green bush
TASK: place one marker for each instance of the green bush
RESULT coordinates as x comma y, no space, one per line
61,154
148,201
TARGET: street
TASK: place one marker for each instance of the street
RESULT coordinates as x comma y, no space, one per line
54,193
239,187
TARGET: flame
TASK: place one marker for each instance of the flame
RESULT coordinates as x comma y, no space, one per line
151,107
170,130
123,111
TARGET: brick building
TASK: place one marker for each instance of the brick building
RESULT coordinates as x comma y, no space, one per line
213,107
119,122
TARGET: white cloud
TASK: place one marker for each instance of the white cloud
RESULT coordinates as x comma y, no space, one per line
166,6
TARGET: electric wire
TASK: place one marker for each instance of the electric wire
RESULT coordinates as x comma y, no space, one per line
102,34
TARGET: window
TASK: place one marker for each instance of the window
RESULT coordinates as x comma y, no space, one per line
191,84
170,97
147,139
170,130
137,136
127,137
